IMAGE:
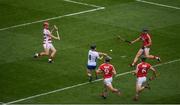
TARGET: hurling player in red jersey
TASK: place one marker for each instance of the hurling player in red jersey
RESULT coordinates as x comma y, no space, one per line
108,71
141,73
144,50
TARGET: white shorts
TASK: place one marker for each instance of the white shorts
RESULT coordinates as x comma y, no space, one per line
145,50
108,81
141,80
48,46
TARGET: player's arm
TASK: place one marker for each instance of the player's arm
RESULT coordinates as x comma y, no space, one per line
51,35
154,73
114,71
134,72
137,39
98,71
101,55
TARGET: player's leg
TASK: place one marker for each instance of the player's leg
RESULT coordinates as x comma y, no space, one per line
139,53
43,53
114,90
53,52
105,92
147,55
140,86
138,89
108,83
89,72
96,76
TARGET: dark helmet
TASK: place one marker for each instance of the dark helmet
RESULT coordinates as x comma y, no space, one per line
107,59
145,30
93,46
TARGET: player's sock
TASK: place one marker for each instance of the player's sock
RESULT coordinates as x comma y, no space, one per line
50,60
136,97
97,77
119,92
90,78
103,96
36,55
157,58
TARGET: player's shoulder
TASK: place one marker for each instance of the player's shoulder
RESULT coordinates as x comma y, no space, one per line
142,34
102,66
139,64
89,51
148,64
110,65
46,30
93,52
148,35
145,34
143,64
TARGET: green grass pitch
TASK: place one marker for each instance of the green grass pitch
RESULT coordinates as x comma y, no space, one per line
22,76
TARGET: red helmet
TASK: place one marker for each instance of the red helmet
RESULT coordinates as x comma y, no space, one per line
45,23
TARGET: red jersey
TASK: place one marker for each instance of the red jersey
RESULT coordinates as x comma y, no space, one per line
107,70
145,37
142,68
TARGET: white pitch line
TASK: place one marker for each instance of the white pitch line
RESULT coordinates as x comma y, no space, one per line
166,63
92,5
53,18
2,103
58,17
123,56
81,84
162,5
